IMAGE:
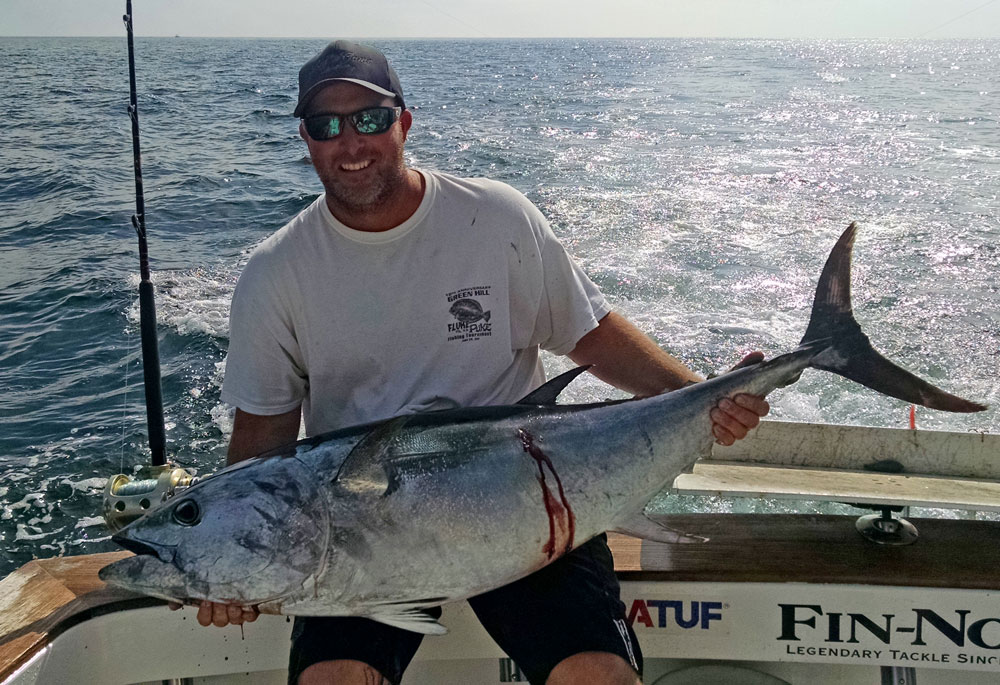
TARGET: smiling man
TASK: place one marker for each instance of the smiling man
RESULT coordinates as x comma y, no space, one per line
402,290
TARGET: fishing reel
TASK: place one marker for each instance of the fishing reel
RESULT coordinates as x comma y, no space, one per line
126,498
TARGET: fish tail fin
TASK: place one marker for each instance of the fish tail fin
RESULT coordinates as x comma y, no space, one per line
843,348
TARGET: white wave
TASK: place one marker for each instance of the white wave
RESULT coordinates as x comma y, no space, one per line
89,522
26,532
192,302
87,485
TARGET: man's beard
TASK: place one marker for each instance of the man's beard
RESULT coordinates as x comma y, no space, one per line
360,198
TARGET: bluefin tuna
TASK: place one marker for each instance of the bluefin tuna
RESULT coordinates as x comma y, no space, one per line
385,519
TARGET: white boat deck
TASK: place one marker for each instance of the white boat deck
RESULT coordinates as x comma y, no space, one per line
784,460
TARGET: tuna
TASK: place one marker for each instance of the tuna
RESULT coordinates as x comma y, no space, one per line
388,518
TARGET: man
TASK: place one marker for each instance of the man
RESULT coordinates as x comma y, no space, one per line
403,290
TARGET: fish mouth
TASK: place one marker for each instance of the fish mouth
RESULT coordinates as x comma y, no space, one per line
146,575
140,548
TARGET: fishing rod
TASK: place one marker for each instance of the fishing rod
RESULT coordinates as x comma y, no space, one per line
127,498
147,304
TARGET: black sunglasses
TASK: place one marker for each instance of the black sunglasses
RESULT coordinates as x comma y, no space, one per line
370,121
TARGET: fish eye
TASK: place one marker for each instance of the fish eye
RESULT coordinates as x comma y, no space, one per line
187,513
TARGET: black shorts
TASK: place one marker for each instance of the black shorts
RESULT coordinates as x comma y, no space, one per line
571,606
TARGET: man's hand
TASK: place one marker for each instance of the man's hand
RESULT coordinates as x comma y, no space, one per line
222,615
733,418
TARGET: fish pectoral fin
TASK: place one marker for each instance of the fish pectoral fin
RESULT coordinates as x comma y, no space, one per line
642,527
408,617
366,470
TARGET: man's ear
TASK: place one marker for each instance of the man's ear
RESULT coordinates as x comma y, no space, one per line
302,131
405,122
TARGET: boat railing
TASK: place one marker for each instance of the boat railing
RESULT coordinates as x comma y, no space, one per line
878,467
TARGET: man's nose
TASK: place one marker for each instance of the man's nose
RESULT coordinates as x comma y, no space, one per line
350,140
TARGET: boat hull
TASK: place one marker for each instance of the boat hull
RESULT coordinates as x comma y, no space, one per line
802,598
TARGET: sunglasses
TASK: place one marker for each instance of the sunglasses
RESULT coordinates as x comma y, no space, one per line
370,121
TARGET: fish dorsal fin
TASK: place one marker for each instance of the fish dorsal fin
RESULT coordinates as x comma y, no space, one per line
546,394
408,616
366,470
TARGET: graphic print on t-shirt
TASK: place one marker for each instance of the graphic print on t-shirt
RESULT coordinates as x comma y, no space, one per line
469,318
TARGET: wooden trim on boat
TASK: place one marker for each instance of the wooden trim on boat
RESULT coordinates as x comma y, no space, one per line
803,548
46,597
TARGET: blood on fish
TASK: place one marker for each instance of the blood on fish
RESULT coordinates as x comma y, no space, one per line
561,518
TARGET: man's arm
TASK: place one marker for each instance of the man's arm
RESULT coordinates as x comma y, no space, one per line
625,357
255,434
628,359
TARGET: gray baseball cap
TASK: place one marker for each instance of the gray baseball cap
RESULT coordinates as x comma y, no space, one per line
343,60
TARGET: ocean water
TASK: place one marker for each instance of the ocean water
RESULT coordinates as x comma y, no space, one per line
701,184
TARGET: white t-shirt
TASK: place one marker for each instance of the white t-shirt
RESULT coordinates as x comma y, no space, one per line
447,309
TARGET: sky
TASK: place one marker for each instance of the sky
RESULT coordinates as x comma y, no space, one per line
508,18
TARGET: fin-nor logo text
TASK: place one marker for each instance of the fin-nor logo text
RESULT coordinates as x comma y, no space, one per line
919,634
470,320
